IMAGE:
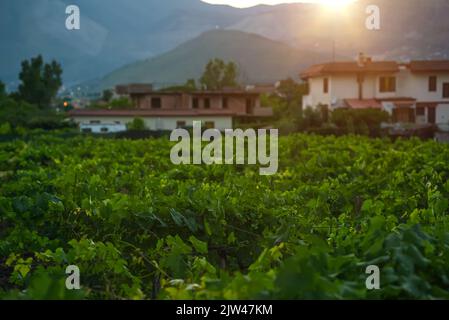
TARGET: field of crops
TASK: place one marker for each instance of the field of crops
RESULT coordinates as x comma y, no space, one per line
139,227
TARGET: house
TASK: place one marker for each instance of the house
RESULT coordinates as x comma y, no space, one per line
170,110
416,92
102,127
263,88
132,90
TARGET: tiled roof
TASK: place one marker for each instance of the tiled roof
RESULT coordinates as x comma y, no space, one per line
350,67
363,104
398,99
429,66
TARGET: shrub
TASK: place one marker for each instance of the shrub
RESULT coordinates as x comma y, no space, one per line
312,118
137,124
22,114
121,103
372,118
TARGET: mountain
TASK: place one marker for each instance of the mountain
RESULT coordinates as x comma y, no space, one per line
118,32
409,28
113,32
259,60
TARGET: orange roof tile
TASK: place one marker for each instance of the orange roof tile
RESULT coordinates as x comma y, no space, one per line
363,104
429,65
350,67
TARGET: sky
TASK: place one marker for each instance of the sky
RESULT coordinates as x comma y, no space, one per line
250,3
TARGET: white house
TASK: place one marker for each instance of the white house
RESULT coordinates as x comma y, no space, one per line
103,127
417,91
107,121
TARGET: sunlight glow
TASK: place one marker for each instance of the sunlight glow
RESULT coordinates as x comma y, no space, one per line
335,4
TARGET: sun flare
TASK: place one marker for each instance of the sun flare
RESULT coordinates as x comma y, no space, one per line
336,4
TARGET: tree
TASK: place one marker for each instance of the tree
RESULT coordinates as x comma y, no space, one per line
40,82
287,105
107,95
2,89
218,75
290,93
189,86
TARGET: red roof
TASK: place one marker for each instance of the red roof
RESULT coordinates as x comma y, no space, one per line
363,104
429,66
350,67
403,103
398,99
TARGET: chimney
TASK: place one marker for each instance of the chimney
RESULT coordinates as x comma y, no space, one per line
361,59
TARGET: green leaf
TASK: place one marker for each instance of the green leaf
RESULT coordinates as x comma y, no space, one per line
199,246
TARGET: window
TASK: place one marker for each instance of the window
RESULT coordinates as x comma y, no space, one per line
326,85
249,106
87,130
156,103
94,121
387,84
207,103
225,103
420,111
209,125
117,122
432,84
104,129
195,103
445,90
180,124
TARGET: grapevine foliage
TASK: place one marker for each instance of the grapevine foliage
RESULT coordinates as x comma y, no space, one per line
139,227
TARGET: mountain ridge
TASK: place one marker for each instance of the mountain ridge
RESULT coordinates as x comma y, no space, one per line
259,60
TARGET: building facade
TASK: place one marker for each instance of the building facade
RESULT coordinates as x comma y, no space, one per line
416,92
170,110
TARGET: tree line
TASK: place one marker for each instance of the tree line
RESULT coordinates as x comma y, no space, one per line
30,105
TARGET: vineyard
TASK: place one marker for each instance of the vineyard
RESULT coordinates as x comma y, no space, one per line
139,227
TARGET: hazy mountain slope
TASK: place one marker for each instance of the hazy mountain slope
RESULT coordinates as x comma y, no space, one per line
113,32
259,59
409,28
